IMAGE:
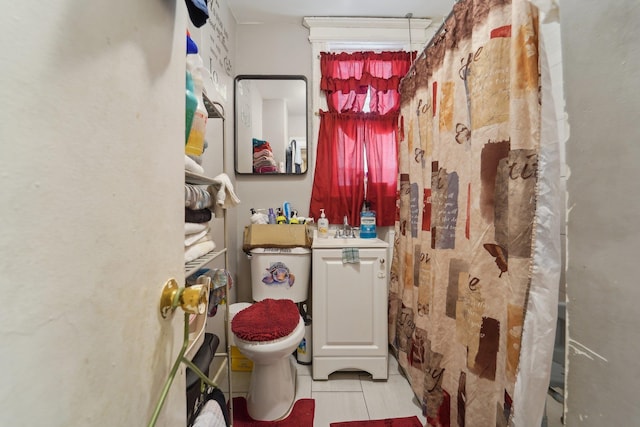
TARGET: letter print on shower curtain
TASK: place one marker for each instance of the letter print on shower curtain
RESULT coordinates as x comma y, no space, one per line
468,163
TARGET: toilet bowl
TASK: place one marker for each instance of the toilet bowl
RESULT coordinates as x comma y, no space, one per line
270,330
267,333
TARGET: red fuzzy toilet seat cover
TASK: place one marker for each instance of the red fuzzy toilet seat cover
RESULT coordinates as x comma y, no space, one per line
266,320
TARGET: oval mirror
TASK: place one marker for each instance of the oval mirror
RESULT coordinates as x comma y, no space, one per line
270,125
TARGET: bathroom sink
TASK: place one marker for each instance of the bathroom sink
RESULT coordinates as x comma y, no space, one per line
350,242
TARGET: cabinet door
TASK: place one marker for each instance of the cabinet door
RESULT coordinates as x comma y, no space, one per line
349,304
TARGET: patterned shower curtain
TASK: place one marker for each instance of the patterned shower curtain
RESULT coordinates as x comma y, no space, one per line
470,128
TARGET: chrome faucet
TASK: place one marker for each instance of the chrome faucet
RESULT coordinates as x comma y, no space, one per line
346,231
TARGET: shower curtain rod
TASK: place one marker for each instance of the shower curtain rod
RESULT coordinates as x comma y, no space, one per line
436,37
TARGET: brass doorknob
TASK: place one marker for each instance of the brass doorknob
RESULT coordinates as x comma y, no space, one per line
192,299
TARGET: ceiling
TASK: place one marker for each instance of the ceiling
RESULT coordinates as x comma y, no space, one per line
292,11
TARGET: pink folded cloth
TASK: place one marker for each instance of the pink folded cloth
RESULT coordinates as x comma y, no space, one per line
265,169
261,153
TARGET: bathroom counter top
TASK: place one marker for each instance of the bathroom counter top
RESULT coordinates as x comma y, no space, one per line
354,242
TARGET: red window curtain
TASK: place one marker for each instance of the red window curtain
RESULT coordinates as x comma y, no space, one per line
346,132
338,184
382,160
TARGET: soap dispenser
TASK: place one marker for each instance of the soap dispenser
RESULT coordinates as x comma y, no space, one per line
323,225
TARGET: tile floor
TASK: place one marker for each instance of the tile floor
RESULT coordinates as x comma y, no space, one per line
350,396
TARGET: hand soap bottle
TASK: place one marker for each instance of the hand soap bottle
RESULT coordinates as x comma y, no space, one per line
323,225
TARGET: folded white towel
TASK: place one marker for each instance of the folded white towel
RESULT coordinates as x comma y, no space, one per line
193,238
195,227
223,188
192,166
198,249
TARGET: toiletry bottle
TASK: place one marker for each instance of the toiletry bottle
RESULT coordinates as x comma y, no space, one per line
195,141
367,222
323,225
272,216
286,211
192,47
280,219
303,353
191,97
294,217
191,105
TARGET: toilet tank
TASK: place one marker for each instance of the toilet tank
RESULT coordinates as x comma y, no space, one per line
280,273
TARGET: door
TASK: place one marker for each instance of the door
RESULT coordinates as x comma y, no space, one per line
91,223
349,304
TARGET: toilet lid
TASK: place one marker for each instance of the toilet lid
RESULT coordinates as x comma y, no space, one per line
266,320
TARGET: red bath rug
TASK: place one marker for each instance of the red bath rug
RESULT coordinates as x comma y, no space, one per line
388,422
301,415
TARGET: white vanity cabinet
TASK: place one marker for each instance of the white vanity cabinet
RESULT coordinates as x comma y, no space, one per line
349,303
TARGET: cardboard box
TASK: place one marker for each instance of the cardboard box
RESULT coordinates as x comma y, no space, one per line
276,236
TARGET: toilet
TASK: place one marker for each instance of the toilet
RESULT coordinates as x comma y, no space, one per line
268,331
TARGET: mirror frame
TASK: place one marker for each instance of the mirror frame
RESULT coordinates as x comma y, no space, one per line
237,113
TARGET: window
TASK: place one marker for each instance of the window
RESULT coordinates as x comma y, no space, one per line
357,140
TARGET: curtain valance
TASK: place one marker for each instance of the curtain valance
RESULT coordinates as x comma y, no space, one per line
348,71
347,79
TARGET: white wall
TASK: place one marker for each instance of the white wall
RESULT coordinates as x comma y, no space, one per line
91,154
248,111
256,121
274,127
297,126
270,49
601,48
